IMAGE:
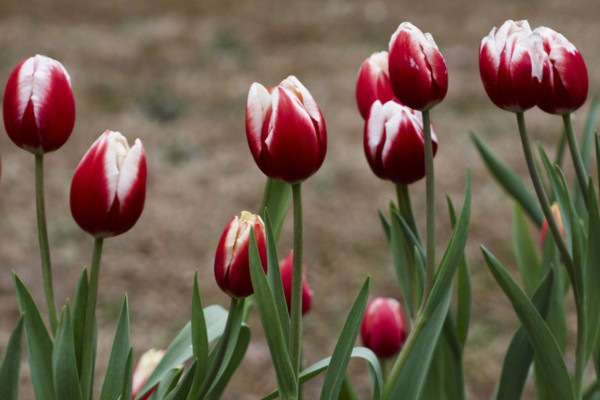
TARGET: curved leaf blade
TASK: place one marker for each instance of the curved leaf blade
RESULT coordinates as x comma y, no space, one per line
11,365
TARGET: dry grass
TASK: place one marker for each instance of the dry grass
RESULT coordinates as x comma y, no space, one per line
176,75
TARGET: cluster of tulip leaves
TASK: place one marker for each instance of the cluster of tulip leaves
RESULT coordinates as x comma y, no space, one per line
542,337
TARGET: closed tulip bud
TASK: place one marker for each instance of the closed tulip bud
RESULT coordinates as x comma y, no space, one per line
568,78
418,71
232,265
559,222
394,142
286,268
109,186
373,83
39,109
285,131
383,328
514,67
142,371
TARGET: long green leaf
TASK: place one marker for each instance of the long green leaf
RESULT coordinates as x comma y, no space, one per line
168,383
39,343
181,391
128,379
336,372
525,251
269,317
403,263
551,362
64,364
385,225
592,273
199,338
9,371
588,132
509,181
78,315
117,363
276,199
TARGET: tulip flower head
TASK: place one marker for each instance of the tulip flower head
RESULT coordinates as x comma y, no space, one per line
285,131
559,222
514,67
373,83
232,265
418,73
38,108
383,328
568,77
142,371
109,186
394,142
286,269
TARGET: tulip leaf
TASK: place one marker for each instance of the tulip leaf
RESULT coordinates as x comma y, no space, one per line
169,382
267,309
592,273
509,181
385,225
597,145
525,251
276,199
199,337
181,391
556,318
519,355
551,362
403,263
357,352
64,365
585,151
117,362
336,371
38,342
11,365
78,315
180,350
128,378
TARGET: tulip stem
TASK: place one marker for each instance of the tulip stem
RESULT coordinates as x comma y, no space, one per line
296,306
430,201
43,241
87,359
582,176
560,149
405,207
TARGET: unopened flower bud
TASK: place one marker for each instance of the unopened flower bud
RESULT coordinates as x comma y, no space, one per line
383,328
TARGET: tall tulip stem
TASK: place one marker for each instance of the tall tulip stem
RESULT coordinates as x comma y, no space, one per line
296,306
405,207
582,176
43,241
430,201
90,320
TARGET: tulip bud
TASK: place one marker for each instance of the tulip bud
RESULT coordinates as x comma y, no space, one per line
39,109
418,73
143,369
285,131
383,328
232,268
373,83
394,142
514,67
559,222
568,77
109,186
286,268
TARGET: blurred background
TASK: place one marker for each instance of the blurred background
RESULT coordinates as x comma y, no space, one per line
176,74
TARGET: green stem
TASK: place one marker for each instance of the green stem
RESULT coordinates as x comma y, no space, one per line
43,241
580,360
405,207
560,149
582,176
296,306
87,362
430,201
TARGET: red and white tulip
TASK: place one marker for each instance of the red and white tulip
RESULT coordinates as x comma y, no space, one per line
373,83
142,371
286,267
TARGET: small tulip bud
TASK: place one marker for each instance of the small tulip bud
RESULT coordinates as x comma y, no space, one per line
394,142
514,67
559,222
373,83
286,267
39,109
568,78
285,131
142,371
109,186
232,267
418,71
383,328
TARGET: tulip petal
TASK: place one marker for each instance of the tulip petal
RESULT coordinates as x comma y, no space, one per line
257,106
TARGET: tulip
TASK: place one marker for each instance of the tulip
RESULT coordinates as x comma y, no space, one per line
109,186
383,328
558,218
373,83
568,77
285,131
232,268
39,109
142,371
418,73
514,67
286,268
394,143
